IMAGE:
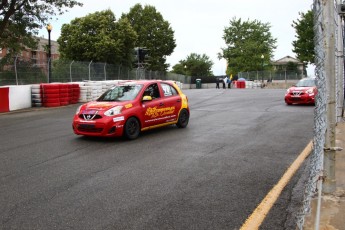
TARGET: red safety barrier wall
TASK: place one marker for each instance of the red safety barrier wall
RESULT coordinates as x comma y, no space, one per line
59,94
75,93
50,95
4,100
240,84
64,94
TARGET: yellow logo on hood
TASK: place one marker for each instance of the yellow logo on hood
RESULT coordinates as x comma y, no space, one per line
100,105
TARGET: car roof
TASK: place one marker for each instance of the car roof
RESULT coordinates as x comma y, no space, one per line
145,82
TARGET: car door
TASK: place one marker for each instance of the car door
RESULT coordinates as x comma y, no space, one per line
154,110
172,101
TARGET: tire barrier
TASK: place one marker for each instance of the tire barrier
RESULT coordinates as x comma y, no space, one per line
55,94
62,94
75,93
240,84
85,94
36,99
50,95
96,89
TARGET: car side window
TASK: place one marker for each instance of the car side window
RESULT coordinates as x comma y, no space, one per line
168,90
153,91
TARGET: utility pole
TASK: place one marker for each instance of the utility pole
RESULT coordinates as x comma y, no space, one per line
49,29
329,63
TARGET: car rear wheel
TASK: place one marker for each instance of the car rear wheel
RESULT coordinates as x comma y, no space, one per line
183,119
132,128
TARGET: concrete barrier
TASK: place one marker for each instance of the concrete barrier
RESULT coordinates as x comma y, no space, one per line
14,97
19,97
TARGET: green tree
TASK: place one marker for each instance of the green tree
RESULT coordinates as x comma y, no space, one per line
20,20
179,68
303,47
154,33
292,66
195,65
98,37
249,45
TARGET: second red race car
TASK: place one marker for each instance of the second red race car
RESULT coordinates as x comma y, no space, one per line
131,107
303,92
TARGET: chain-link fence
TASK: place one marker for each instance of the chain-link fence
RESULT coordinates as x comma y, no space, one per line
329,71
26,72
271,75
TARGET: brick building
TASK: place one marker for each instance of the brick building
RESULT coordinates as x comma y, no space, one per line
39,56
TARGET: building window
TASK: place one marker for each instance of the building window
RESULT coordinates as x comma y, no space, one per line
33,55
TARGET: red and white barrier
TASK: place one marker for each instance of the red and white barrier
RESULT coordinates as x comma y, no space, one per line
14,97
59,94
4,101
51,95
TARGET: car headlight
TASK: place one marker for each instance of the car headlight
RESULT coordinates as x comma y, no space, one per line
310,91
114,111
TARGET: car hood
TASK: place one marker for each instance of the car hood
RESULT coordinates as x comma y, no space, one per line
305,88
102,105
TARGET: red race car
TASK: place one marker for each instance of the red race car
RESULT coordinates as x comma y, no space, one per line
303,92
131,107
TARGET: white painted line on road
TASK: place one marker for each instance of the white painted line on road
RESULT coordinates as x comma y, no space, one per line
256,218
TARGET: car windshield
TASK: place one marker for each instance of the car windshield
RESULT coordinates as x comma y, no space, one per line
121,93
306,83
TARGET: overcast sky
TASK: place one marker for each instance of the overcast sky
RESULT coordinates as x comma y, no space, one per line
199,24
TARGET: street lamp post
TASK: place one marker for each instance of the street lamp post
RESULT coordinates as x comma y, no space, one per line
262,67
49,29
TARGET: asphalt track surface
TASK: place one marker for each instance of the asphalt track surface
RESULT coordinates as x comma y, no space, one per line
211,175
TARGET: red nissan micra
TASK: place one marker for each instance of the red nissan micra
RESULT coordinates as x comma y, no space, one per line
131,107
303,92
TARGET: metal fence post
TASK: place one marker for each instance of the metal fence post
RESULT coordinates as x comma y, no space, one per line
119,73
105,71
90,70
49,70
70,70
15,69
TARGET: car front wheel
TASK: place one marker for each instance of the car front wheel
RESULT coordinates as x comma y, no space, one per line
132,128
183,119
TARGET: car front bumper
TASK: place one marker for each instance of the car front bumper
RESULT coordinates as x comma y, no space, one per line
105,127
303,99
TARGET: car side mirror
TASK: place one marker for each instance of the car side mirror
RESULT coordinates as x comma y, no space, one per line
147,98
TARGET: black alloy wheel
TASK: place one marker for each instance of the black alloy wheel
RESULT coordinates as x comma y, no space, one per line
183,119
132,128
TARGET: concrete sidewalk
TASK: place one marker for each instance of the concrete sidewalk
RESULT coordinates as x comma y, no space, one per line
332,215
